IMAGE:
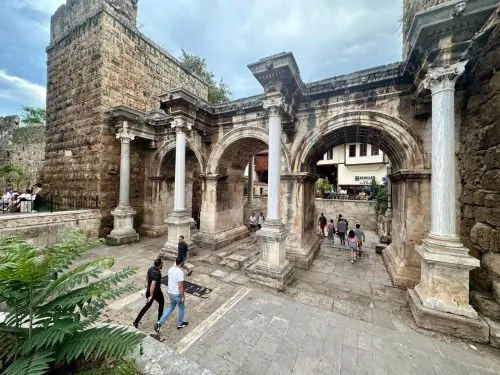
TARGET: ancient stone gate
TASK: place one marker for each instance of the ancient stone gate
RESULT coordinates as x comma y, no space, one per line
126,121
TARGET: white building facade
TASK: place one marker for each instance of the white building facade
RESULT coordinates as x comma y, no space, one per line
352,167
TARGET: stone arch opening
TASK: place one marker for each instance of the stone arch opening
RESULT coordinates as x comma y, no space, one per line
410,180
193,186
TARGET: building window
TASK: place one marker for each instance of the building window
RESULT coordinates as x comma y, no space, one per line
352,151
362,149
374,150
329,155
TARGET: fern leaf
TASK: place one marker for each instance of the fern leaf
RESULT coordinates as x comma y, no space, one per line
35,364
99,342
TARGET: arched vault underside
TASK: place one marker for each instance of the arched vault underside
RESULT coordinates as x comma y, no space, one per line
402,146
164,156
232,153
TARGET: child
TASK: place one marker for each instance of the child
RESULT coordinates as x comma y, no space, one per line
352,241
360,235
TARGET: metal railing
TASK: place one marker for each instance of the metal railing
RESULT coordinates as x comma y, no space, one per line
49,204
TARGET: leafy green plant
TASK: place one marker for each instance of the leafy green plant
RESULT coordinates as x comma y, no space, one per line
218,92
323,186
33,115
53,306
380,194
11,175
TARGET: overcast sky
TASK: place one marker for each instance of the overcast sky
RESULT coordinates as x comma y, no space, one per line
327,37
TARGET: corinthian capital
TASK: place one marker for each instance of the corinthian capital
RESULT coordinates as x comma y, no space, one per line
124,134
180,125
443,78
274,104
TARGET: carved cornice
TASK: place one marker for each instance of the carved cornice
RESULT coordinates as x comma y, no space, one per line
411,175
443,78
300,177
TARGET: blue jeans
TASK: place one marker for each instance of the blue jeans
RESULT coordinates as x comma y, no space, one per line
175,299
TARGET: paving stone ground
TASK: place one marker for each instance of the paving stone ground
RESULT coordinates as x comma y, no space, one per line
336,318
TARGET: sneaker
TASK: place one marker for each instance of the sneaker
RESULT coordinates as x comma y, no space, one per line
157,327
184,324
190,272
352,261
136,325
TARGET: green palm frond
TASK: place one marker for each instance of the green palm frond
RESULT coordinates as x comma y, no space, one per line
101,342
35,364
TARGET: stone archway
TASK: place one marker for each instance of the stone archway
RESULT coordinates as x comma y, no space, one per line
222,214
159,203
410,181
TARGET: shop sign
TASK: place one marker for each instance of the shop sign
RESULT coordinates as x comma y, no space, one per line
364,180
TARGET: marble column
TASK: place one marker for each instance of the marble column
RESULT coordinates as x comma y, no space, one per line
388,212
441,300
273,269
179,222
123,216
250,181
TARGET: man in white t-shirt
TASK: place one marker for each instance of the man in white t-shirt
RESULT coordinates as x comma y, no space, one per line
176,294
252,220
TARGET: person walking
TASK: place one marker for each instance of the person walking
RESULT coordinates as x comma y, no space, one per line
260,220
153,291
360,235
341,229
252,221
352,241
322,224
183,253
330,227
176,296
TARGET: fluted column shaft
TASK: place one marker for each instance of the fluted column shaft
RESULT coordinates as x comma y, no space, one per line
125,137
180,163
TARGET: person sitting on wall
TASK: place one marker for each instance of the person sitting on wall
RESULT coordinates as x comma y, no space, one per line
37,199
15,203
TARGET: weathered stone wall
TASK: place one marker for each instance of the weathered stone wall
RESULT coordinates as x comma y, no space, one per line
7,126
97,60
356,212
28,152
45,229
479,168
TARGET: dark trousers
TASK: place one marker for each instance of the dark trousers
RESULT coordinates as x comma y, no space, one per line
158,297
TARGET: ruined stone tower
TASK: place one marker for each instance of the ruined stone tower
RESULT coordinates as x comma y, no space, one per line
98,59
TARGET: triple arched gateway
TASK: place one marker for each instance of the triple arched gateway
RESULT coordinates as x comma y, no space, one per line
181,160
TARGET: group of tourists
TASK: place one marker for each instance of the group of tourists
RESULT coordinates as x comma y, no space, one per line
355,238
12,201
256,222
175,288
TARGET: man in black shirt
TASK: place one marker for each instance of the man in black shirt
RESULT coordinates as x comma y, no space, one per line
182,252
153,292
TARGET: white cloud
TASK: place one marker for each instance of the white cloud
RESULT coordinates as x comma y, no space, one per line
21,90
44,6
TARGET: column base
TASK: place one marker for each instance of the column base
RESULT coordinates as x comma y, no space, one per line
447,323
123,227
273,269
303,256
402,274
148,230
444,282
214,241
179,223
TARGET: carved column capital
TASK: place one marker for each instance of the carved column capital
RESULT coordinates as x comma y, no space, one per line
181,125
274,104
444,78
124,134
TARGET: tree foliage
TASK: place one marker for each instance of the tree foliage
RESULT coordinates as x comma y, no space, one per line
11,175
218,92
380,194
33,115
53,306
323,186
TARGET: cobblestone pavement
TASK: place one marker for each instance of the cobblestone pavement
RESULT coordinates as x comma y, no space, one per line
336,318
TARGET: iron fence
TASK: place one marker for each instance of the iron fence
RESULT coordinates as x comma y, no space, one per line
49,203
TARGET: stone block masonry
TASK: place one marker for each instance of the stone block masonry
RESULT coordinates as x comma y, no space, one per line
356,212
97,59
479,167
